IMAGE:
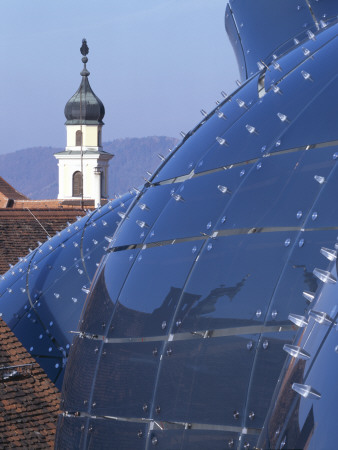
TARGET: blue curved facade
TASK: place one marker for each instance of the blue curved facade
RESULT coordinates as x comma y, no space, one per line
184,331
260,29
303,408
41,297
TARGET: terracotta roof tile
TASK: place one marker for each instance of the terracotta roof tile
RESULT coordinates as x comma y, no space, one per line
52,204
20,230
11,198
29,404
8,191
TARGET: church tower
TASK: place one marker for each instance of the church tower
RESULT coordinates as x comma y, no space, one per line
83,166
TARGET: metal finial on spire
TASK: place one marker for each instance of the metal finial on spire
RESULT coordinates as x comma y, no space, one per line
84,48
84,51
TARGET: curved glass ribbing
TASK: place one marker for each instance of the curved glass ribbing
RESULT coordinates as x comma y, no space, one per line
302,413
258,31
41,297
182,335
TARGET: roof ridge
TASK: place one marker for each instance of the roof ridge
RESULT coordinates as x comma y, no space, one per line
9,191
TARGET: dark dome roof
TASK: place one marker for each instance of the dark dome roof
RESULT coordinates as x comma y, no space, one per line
92,109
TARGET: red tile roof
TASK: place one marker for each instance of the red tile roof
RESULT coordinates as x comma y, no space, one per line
8,191
23,222
54,204
29,402
8,194
11,198
20,229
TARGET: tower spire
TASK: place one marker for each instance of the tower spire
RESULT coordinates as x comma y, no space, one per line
84,52
83,166
84,107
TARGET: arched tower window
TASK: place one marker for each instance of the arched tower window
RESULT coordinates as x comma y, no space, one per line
77,184
78,138
99,138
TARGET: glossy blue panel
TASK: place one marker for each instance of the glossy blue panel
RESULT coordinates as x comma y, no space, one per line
260,192
76,389
324,302
324,9
227,287
94,240
308,422
37,339
200,205
326,130
47,271
54,367
248,441
298,53
325,210
269,360
298,276
281,112
148,309
318,106
67,236
98,213
304,421
184,160
131,368
108,434
196,382
232,32
242,146
324,381
70,430
196,439
270,18
141,217
93,244
70,232
62,304
102,300
13,300
57,284
40,343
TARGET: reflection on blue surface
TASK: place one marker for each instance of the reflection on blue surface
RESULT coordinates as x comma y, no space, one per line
41,298
182,337
308,420
191,152
260,30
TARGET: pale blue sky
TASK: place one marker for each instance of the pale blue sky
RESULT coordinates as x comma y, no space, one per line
153,63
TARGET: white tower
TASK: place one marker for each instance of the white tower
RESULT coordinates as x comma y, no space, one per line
83,166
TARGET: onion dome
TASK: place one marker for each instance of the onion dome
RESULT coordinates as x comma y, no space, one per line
84,108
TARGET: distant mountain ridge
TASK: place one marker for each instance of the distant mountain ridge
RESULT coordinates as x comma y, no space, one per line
34,171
